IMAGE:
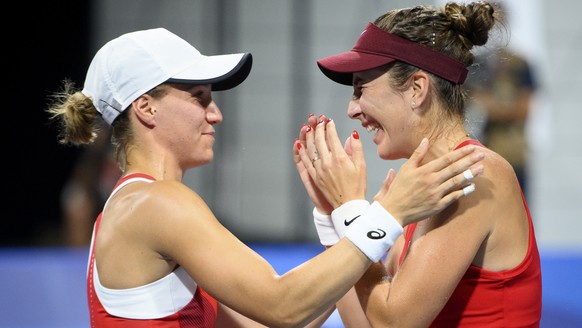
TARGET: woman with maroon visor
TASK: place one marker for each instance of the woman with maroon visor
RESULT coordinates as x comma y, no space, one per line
475,264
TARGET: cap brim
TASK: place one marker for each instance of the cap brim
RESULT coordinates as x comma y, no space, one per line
340,67
223,72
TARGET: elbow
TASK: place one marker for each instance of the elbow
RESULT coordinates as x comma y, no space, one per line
285,315
286,319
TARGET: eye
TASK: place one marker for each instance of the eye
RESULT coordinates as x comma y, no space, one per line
202,97
357,92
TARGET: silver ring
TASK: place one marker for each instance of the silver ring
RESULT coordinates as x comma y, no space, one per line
313,160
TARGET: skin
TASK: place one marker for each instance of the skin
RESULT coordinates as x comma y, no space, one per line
148,229
488,228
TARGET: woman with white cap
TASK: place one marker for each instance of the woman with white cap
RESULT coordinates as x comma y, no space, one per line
476,263
159,257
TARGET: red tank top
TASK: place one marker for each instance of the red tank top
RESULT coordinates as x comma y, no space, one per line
510,298
199,312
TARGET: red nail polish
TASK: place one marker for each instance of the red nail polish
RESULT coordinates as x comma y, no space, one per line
299,146
308,129
355,135
310,115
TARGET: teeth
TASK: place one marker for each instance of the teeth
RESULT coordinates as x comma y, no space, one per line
371,128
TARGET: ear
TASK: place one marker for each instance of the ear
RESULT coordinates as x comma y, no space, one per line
144,110
420,83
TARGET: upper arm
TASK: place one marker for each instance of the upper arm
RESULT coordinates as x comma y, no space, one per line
442,249
187,231
228,318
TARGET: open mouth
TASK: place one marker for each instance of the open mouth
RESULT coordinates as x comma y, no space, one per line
372,126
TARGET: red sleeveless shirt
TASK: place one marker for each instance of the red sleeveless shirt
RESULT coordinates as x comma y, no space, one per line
510,298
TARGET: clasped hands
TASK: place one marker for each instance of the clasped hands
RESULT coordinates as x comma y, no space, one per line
334,174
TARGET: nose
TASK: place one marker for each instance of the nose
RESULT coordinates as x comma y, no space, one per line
213,113
354,111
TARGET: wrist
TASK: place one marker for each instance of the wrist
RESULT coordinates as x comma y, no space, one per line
399,217
374,231
325,229
344,215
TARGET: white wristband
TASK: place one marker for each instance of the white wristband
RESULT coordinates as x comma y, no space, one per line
325,229
374,232
344,215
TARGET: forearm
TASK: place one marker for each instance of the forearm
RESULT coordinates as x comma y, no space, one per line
351,311
373,292
321,319
315,286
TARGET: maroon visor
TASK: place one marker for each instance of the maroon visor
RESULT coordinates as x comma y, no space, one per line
376,48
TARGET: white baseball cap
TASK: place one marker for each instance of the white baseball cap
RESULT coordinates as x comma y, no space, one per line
134,63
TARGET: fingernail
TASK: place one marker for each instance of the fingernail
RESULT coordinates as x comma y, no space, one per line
479,170
310,115
355,135
308,129
479,156
298,146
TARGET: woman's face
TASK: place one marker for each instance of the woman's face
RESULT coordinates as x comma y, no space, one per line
383,111
185,117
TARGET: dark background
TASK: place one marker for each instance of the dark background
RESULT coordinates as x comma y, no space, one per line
49,43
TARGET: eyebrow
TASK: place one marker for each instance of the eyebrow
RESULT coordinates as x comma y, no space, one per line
357,81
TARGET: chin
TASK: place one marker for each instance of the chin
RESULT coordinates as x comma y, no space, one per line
390,156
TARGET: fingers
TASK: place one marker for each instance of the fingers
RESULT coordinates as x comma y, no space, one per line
357,150
322,149
464,170
304,149
419,153
448,160
461,183
456,195
386,184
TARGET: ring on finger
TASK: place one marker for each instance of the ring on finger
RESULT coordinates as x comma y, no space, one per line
314,159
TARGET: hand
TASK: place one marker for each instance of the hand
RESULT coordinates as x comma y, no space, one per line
339,172
420,191
318,199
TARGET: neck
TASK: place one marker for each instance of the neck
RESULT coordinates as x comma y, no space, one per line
446,142
158,167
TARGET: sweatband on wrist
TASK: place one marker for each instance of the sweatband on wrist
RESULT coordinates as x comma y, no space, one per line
325,229
344,215
374,232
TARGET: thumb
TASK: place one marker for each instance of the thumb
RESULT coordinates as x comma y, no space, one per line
348,147
419,153
385,185
357,149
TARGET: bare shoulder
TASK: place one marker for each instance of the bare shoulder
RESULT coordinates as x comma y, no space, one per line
498,176
158,206
172,198
496,190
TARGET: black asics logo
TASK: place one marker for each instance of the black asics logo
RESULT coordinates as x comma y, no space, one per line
347,223
376,234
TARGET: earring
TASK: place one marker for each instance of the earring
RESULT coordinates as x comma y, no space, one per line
413,104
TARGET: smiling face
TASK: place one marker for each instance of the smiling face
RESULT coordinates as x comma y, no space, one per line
185,119
386,112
